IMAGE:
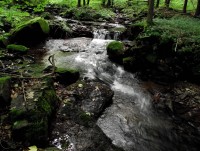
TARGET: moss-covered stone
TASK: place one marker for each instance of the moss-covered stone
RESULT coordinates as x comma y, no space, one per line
115,50
30,32
5,91
17,48
31,117
67,76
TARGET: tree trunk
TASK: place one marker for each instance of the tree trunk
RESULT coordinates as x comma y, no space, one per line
167,2
197,13
150,12
157,3
88,2
84,2
109,3
185,6
79,3
103,2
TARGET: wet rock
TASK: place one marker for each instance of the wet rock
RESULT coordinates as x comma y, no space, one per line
59,29
32,111
82,31
186,103
31,32
5,91
75,127
67,76
93,97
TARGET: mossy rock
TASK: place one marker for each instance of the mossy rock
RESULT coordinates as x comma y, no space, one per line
115,50
30,32
31,118
67,76
17,48
5,91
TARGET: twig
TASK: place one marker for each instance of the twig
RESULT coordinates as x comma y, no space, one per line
176,45
52,62
2,64
23,91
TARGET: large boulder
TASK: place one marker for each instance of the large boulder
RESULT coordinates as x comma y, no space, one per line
32,111
5,91
31,32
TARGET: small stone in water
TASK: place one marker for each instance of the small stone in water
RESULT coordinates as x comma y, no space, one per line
80,85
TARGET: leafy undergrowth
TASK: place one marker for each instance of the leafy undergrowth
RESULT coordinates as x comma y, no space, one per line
183,30
13,16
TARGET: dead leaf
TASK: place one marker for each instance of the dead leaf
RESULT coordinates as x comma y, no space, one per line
30,95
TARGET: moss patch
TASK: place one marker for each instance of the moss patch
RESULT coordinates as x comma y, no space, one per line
115,51
17,48
67,76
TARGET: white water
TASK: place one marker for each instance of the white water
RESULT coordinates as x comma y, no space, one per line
130,121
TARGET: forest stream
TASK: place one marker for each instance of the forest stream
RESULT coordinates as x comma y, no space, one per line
130,122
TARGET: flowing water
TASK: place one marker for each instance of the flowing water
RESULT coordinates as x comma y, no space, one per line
130,122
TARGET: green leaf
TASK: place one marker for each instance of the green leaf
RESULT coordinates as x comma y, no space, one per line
33,148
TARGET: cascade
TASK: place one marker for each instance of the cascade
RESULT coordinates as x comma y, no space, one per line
130,122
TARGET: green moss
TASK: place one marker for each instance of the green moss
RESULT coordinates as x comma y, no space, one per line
115,48
47,102
66,70
16,113
3,80
128,60
17,48
84,118
20,124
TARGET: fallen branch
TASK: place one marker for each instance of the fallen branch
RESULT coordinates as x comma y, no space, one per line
3,66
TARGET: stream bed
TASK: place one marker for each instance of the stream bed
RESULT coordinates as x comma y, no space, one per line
130,122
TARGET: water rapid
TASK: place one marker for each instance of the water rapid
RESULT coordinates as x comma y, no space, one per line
130,122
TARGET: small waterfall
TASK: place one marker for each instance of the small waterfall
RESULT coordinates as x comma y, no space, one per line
101,34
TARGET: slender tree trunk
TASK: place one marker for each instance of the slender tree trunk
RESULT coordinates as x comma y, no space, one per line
103,2
109,3
79,3
167,3
185,6
157,3
150,12
88,2
84,2
197,13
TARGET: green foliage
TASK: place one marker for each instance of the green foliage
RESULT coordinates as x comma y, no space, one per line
12,15
183,31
